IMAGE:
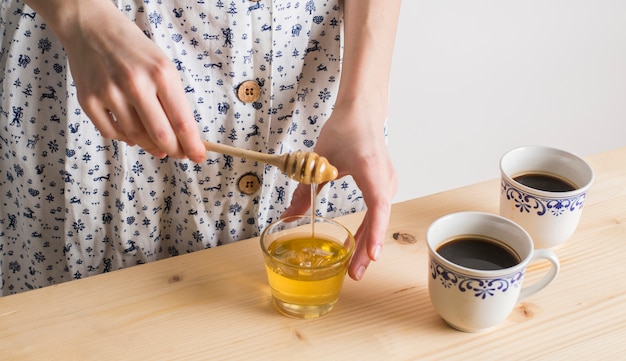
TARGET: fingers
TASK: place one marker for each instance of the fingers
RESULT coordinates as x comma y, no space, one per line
177,109
135,130
151,127
147,108
122,123
104,120
300,201
378,189
161,118
106,123
370,238
148,126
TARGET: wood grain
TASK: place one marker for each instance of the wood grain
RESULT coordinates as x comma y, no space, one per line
215,304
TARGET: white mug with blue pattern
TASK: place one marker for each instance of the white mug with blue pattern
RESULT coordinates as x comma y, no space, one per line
472,298
548,213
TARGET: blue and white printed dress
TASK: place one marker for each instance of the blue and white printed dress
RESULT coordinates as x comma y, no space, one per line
73,204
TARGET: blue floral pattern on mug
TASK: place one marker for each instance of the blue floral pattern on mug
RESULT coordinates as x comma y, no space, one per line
526,202
482,287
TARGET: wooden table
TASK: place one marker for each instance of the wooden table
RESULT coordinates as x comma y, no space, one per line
215,304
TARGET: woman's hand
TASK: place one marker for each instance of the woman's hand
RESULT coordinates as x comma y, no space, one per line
353,137
357,148
125,84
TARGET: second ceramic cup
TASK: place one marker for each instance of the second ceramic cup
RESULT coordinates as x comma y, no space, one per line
543,189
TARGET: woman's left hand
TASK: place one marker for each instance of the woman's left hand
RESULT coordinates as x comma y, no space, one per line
357,148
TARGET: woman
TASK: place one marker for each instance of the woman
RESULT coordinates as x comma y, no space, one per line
105,106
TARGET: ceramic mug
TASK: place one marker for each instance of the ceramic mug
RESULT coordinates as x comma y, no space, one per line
532,196
471,297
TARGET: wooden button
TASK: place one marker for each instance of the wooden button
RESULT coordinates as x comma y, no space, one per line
249,91
249,183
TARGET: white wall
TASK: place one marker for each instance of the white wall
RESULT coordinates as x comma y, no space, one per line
472,79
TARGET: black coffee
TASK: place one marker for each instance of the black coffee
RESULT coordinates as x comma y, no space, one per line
545,182
478,252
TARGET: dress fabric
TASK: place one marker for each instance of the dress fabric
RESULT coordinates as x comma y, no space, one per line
74,204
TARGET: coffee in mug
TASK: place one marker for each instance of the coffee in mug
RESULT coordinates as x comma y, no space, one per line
543,189
545,182
478,252
477,264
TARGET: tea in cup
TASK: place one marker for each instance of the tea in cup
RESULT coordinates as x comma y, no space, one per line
306,263
477,263
543,190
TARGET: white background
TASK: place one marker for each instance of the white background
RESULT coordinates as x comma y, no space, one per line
473,79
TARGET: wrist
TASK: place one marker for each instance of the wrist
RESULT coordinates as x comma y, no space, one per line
66,16
54,12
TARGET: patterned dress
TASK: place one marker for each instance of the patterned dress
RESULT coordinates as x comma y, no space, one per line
73,204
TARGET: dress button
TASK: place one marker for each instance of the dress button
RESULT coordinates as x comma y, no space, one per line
249,183
249,91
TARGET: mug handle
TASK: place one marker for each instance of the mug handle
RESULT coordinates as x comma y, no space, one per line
555,266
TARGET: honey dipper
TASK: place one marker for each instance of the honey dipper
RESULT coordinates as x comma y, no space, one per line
304,167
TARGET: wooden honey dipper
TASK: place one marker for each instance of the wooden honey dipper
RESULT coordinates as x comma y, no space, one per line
304,167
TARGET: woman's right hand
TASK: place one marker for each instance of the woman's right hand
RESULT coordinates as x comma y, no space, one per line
125,83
